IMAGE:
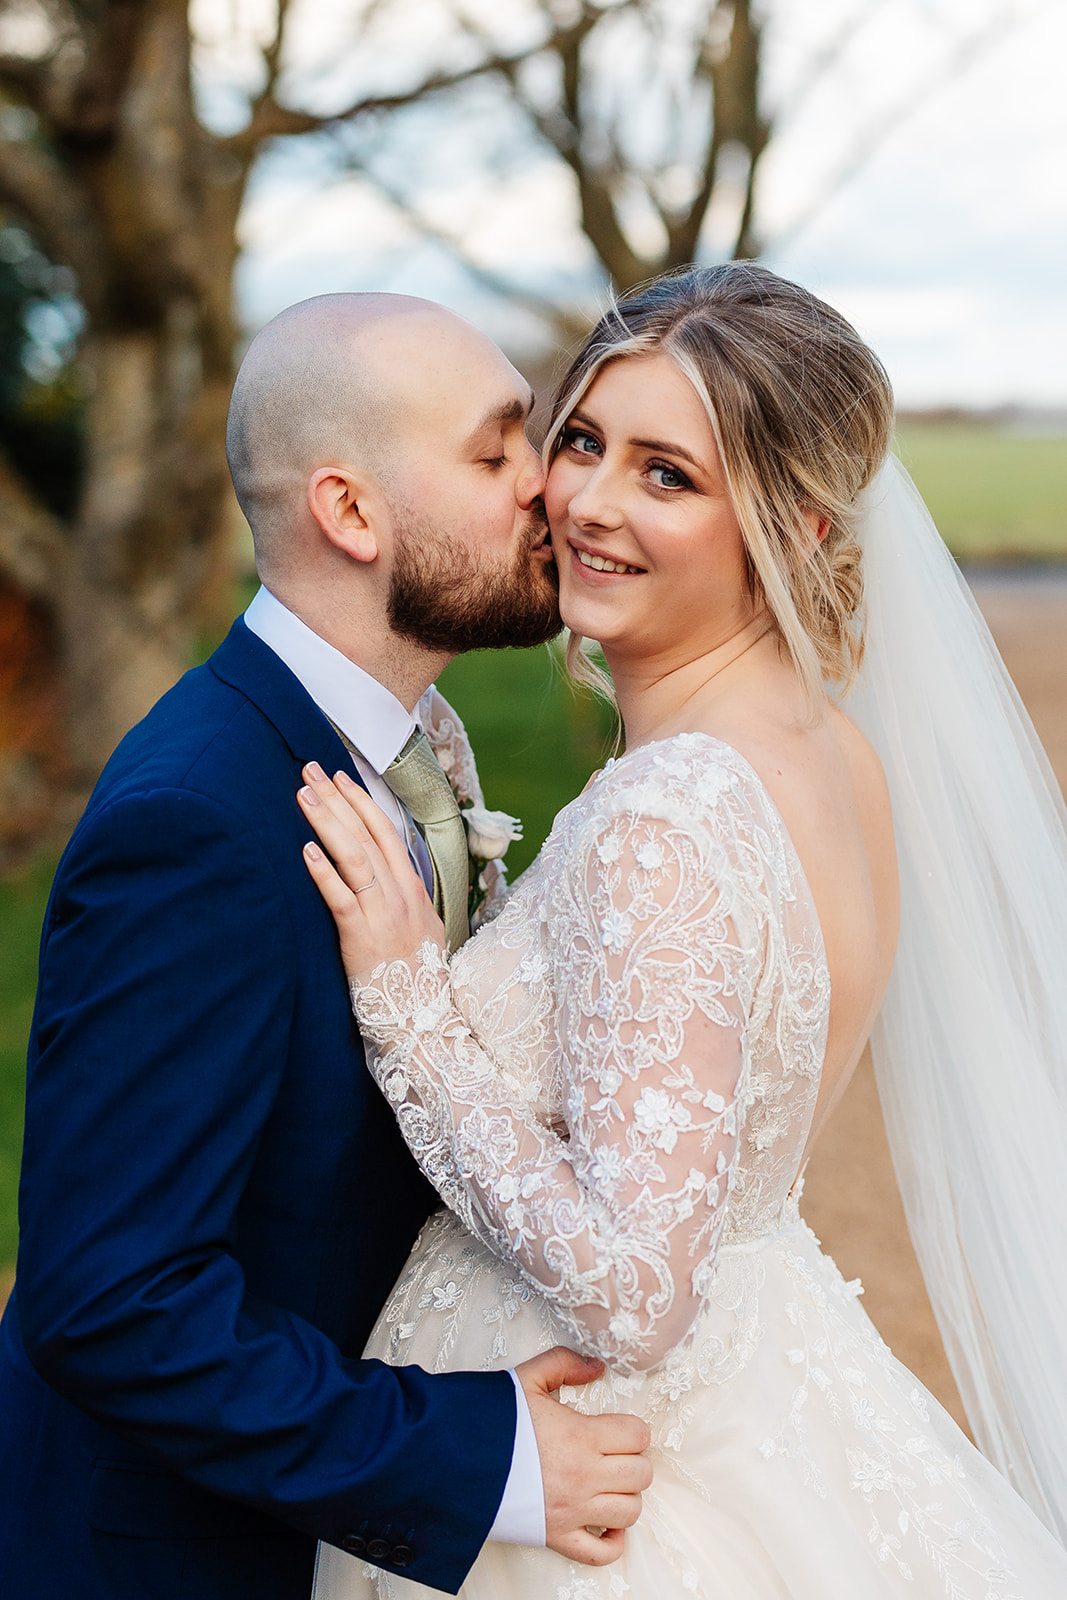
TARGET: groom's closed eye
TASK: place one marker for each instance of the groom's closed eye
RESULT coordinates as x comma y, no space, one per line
486,442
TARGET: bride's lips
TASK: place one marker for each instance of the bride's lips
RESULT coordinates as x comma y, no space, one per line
613,570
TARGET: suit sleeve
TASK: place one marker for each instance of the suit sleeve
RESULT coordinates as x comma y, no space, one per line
164,1009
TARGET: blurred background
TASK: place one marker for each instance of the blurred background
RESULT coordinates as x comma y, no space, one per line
174,173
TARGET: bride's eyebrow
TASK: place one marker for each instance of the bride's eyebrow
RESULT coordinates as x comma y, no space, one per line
668,449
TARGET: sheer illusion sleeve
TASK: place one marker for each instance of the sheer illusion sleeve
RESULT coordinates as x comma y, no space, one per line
654,938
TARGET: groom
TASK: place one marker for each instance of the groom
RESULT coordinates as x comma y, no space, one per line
215,1200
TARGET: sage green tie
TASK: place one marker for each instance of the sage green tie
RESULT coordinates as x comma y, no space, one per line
416,778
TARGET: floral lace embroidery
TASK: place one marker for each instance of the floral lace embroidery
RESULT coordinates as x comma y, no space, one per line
621,1069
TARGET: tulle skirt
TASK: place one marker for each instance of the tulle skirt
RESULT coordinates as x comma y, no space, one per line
793,1455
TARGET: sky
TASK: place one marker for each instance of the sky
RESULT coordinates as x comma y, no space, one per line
946,244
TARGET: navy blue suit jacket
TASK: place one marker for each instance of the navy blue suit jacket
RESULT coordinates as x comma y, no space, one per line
215,1203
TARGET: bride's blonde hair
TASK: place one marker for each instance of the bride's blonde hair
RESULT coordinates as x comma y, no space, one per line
802,412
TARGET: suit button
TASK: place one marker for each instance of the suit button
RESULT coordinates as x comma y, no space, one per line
379,1549
354,1544
403,1555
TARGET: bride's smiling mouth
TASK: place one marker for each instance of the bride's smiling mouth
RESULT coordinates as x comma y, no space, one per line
590,561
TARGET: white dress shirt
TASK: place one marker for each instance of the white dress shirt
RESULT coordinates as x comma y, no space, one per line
378,725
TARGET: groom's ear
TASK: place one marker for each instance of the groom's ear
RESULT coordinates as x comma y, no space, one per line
345,508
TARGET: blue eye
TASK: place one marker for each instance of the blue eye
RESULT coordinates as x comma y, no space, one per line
672,477
584,443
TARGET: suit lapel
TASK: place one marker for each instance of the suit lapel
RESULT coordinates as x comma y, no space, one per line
247,664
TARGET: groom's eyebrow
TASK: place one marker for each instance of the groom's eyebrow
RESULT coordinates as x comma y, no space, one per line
509,411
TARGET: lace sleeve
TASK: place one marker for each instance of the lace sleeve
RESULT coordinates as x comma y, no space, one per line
616,1219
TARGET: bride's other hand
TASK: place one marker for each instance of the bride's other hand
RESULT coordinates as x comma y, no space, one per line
372,889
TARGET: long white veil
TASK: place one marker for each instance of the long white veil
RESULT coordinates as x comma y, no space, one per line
970,1049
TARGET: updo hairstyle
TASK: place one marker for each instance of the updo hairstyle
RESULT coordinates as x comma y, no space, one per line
802,412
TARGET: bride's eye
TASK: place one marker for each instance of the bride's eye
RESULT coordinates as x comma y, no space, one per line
584,444
670,477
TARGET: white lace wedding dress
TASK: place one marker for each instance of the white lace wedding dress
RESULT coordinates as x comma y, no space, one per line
611,1085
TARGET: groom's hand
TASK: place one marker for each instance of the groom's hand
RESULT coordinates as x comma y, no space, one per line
592,1468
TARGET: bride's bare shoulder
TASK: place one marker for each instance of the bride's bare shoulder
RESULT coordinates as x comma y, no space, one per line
864,765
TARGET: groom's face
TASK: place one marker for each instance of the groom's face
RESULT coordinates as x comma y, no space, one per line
472,567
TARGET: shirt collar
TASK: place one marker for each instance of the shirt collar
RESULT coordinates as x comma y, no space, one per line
371,717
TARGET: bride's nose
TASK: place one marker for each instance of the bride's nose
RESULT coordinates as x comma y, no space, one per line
596,503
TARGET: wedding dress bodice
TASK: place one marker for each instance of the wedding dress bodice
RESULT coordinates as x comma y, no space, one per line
616,1077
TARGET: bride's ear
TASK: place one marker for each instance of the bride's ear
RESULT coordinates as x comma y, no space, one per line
818,527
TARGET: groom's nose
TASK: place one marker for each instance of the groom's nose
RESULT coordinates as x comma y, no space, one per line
530,484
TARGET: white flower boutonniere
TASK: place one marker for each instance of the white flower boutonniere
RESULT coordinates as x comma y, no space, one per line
489,833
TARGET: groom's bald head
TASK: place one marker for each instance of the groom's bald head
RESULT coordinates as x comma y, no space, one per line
333,381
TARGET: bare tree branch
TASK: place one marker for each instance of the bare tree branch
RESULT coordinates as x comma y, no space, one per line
271,121
272,60
540,305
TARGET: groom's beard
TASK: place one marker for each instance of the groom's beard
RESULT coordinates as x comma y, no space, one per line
447,600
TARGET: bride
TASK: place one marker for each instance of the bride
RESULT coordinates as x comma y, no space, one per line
615,1085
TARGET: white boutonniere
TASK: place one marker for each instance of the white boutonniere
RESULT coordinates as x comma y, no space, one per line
489,833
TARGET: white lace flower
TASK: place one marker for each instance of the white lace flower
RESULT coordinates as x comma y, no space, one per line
659,1116
606,1169
609,1081
863,1413
446,1296
650,855
484,1144
870,1476
615,931
609,849
624,1327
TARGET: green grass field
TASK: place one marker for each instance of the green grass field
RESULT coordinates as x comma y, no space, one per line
994,495
22,903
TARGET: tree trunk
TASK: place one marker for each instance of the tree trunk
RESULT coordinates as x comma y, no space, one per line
157,198
150,534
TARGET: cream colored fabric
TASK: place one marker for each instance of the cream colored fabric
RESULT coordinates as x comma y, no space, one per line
612,1085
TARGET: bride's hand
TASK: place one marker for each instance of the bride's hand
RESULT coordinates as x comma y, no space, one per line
377,898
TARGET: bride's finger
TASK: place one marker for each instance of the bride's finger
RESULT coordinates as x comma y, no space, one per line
326,790
353,807
357,857
381,830
340,901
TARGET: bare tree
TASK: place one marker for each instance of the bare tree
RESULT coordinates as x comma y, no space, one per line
117,177
706,100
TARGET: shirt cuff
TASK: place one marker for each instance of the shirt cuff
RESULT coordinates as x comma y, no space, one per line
521,1517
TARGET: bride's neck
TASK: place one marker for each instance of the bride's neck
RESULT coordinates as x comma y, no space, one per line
661,697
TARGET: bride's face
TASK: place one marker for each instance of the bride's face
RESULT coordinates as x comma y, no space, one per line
649,550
